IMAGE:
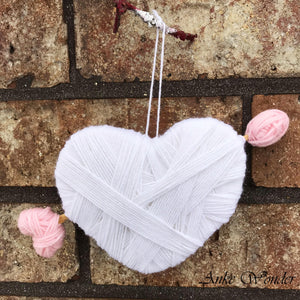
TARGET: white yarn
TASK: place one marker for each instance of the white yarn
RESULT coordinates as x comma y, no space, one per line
150,203
152,82
162,26
161,68
152,20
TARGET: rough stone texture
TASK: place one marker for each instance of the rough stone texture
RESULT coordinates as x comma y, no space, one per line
235,38
278,165
18,259
33,132
33,41
257,238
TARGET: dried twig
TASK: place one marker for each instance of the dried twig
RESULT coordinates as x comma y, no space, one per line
122,6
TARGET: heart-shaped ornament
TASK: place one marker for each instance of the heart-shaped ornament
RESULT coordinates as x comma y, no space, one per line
152,202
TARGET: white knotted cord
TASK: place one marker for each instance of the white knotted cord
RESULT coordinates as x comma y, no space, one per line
163,26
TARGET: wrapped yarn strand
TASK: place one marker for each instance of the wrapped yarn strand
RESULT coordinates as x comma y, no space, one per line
45,228
267,128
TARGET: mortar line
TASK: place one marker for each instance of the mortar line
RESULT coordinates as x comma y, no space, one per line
246,118
48,195
79,290
94,88
68,16
83,247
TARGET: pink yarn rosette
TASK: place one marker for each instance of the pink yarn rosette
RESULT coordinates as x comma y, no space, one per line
42,224
267,128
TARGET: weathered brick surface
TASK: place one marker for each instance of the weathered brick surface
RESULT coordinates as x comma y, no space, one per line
33,41
33,132
18,259
257,238
278,165
226,109
235,38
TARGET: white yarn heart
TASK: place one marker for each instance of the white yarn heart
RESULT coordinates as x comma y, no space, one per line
151,203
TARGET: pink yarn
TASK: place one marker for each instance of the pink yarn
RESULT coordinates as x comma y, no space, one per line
42,225
267,128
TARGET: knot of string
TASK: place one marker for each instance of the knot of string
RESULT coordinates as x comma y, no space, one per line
160,26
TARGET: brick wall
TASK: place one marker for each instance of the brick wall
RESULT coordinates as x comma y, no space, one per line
63,69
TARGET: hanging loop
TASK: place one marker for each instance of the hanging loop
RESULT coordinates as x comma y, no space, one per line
162,25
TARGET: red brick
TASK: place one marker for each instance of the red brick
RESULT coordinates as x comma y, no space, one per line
33,132
33,41
278,165
235,38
